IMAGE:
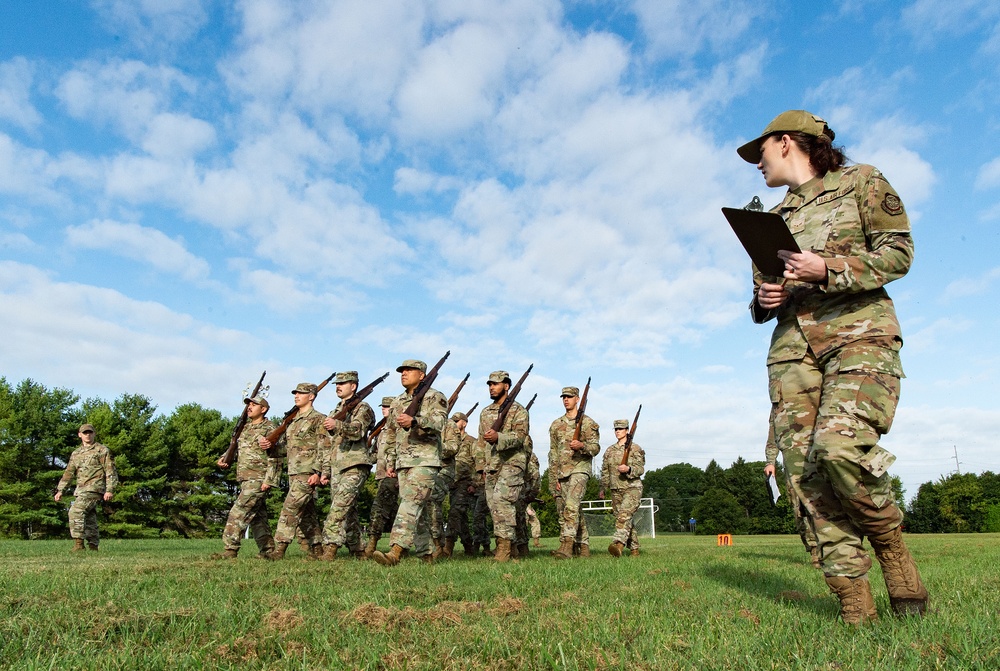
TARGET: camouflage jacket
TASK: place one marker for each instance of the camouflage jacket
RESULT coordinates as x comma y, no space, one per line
306,441
563,461
347,441
465,462
611,478
93,468
253,462
380,454
532,477
421,444
509,448
771,447
855,221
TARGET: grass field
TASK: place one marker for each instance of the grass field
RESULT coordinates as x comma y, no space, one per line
684,604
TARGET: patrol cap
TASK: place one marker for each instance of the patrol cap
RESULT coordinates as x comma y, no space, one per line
259,400
305,388
346,376
387,401
621,423
570,391
87,427
412,363
459,416
500,376
791,121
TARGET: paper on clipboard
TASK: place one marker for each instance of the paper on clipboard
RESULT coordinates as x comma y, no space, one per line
762,234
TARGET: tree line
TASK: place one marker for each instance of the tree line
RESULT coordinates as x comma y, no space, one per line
171,486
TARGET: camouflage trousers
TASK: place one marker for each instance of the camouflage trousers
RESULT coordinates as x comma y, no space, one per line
411,530
480,513
503,494
249,510
299,511
384,506
533,522
571,522
624,503
83,517
442,485
341,527
462,503
833,410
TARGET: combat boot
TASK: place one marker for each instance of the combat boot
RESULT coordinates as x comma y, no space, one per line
537,543
305,546
634,552
487,552
907,594
390,558
449,547
330,551
226,554
855,594
584,550
266,546
615,549
77,545
427,559
565,550
358,552
814,557
438,549
522,550
502,554
278,553
371,546
471,550
92,547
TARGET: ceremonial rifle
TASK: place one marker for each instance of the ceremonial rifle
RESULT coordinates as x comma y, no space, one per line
531,402
377,429
234,441
453,399
474,406
286,421
359,396
413,409
580,410
631,435
508,402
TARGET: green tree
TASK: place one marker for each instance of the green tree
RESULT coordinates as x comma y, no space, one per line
718,512
962,505
923,516
674,488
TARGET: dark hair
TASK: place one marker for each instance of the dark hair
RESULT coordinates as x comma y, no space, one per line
823,156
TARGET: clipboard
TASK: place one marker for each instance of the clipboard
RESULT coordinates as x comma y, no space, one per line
762,234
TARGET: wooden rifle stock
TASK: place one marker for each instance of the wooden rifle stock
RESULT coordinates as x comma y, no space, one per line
509,402
413,409
631,435
377,429
453,399
355,401
234,441
582,408
286,421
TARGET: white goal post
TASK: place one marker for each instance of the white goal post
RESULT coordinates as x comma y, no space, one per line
600,523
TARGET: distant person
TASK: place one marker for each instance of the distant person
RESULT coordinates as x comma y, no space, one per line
622,480
833,364
692,523
570,468
96,478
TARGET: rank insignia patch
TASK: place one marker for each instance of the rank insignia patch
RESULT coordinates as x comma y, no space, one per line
892,205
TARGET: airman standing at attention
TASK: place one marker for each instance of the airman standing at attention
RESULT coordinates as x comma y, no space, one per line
570,466
622,480
96,478
346,467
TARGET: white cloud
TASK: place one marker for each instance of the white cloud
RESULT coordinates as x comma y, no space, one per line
964,287
988,176
146,245
930,20
682,28
149,23
15,94
175,136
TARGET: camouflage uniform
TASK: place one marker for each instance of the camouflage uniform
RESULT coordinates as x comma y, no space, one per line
95,474
833,364
443,481
794,462
460,498
572,469
533,522
387,496
347,465
415,455
254,468
625,489
306,441
532,484
504,465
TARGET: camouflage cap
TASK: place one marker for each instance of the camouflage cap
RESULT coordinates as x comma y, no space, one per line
259,400
305,388
459,417
412,363
346,376
500,376
621,424
791,121
87,427
387,401
570,391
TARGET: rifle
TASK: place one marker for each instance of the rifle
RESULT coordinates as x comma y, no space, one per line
373,434
413,409
355,401
474,406
631,434
286,421
509,402
531,402
234,441
453,399
580,410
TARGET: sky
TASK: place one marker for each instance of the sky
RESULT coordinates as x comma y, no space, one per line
195,191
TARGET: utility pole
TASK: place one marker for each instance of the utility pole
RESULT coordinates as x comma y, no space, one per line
957,462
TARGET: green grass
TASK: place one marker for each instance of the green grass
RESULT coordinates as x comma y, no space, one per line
684,604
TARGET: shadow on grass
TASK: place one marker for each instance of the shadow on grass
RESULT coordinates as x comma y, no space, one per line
794,594
784,557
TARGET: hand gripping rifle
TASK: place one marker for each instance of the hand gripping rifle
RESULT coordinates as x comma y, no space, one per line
580,410
355,401
631,434
291,414
453,399
234,441
413,409
509,402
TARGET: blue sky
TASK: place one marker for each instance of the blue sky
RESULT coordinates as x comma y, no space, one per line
193,191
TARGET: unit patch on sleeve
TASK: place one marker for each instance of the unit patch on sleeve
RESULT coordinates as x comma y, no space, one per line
892,205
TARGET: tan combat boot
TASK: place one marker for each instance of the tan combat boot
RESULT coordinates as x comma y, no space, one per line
615,549
537,543
502,554
855,594
449,547
78,545
278,553
814,557
584,550
226,554
305,547
390,558
371,546
438,549
330,551
907,594
565,550
634,552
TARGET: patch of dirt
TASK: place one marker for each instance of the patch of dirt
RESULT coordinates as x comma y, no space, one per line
749,615
283,621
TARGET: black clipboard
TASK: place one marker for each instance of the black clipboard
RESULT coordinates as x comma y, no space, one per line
762,234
